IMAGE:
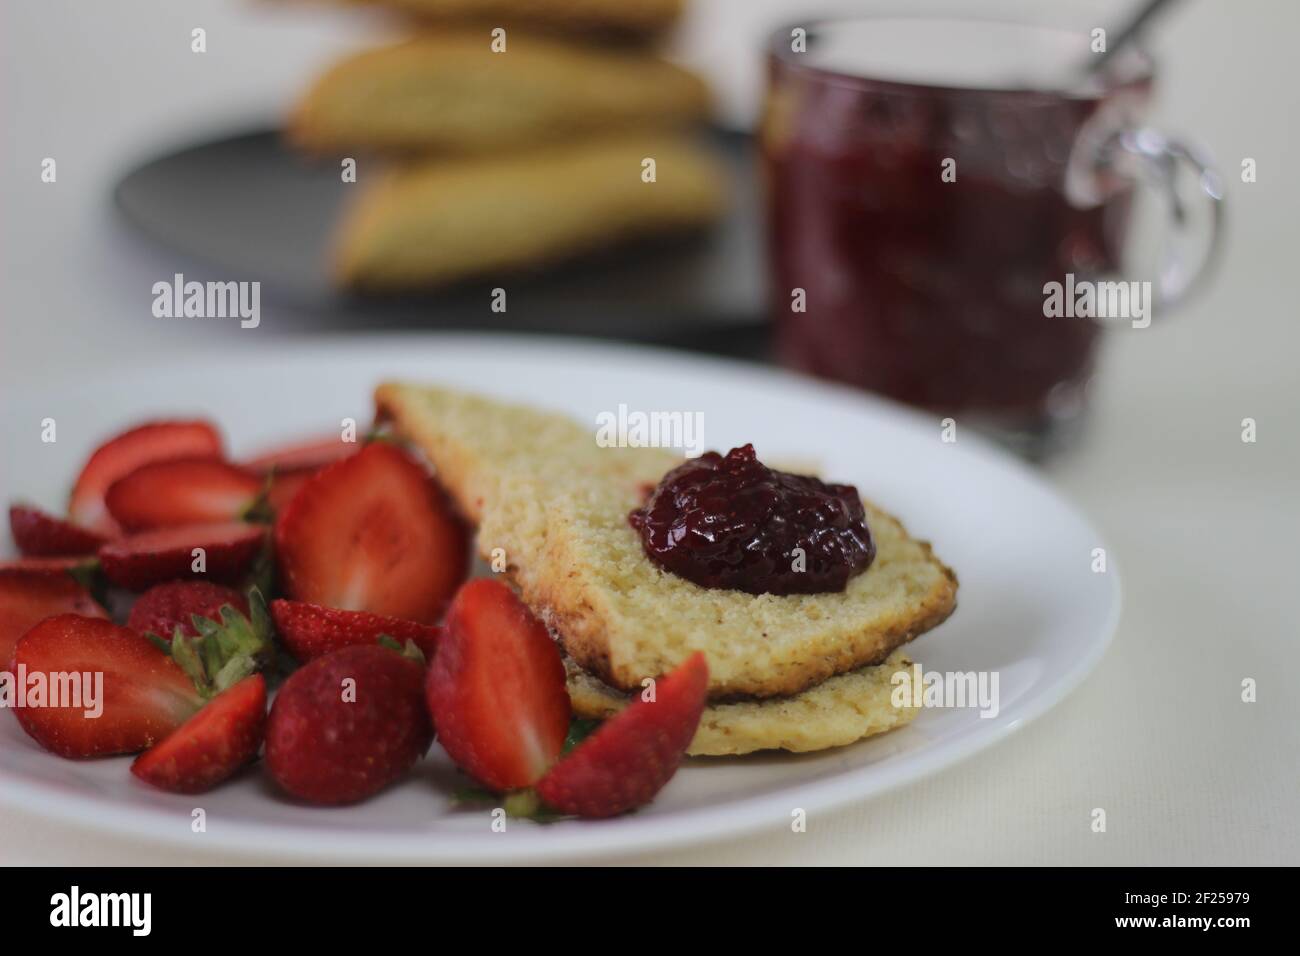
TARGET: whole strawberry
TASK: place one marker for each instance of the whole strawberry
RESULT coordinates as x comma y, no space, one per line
347,725
165,607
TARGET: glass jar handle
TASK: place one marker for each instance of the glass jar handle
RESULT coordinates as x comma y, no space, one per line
1148,155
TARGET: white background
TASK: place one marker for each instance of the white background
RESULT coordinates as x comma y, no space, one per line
1204,526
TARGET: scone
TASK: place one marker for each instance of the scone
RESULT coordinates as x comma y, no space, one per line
838,711
620,16
552,507
439,221
449,92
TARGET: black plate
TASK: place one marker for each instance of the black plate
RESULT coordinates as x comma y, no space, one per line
245,207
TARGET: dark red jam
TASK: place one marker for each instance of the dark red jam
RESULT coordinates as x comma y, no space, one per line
735,523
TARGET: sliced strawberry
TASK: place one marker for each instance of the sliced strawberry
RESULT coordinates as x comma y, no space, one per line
303,456
310,631
55,566
145,695
372,533
167,494
630,757
285,486
496,689
151,557
29,597
123,454
165,607
42,535
290,466
347,725
210,746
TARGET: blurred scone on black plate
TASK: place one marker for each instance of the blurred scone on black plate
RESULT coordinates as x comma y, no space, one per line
506,154
440,221
449,93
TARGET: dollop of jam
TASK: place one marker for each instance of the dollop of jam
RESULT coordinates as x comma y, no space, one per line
732,522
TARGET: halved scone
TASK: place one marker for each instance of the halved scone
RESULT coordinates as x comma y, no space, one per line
551,506
838,711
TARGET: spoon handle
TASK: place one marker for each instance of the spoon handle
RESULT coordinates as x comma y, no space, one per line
1130,31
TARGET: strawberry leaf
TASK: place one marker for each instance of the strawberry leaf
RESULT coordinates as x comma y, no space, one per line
580,728
225,651
522,803
474,795
161,643
87,575
518,804
411,651
259,509
261,576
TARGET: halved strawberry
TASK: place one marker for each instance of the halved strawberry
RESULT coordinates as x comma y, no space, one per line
347,725
166,494
372,533
151,557
124,453
52,566
210,746
143,697
310,455
496,689
290,466
29,597
285,486
165,607
630,757
42,535
56,566
310,631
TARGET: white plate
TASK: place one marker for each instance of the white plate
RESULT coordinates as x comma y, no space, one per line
1030,606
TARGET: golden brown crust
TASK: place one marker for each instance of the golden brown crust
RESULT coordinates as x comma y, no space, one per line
440,221
557,505
836,712
571,610
449,92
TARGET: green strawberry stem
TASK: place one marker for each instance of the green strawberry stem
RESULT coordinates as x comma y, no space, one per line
259,509
86,573
411,651
225,651
261,576
523,803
